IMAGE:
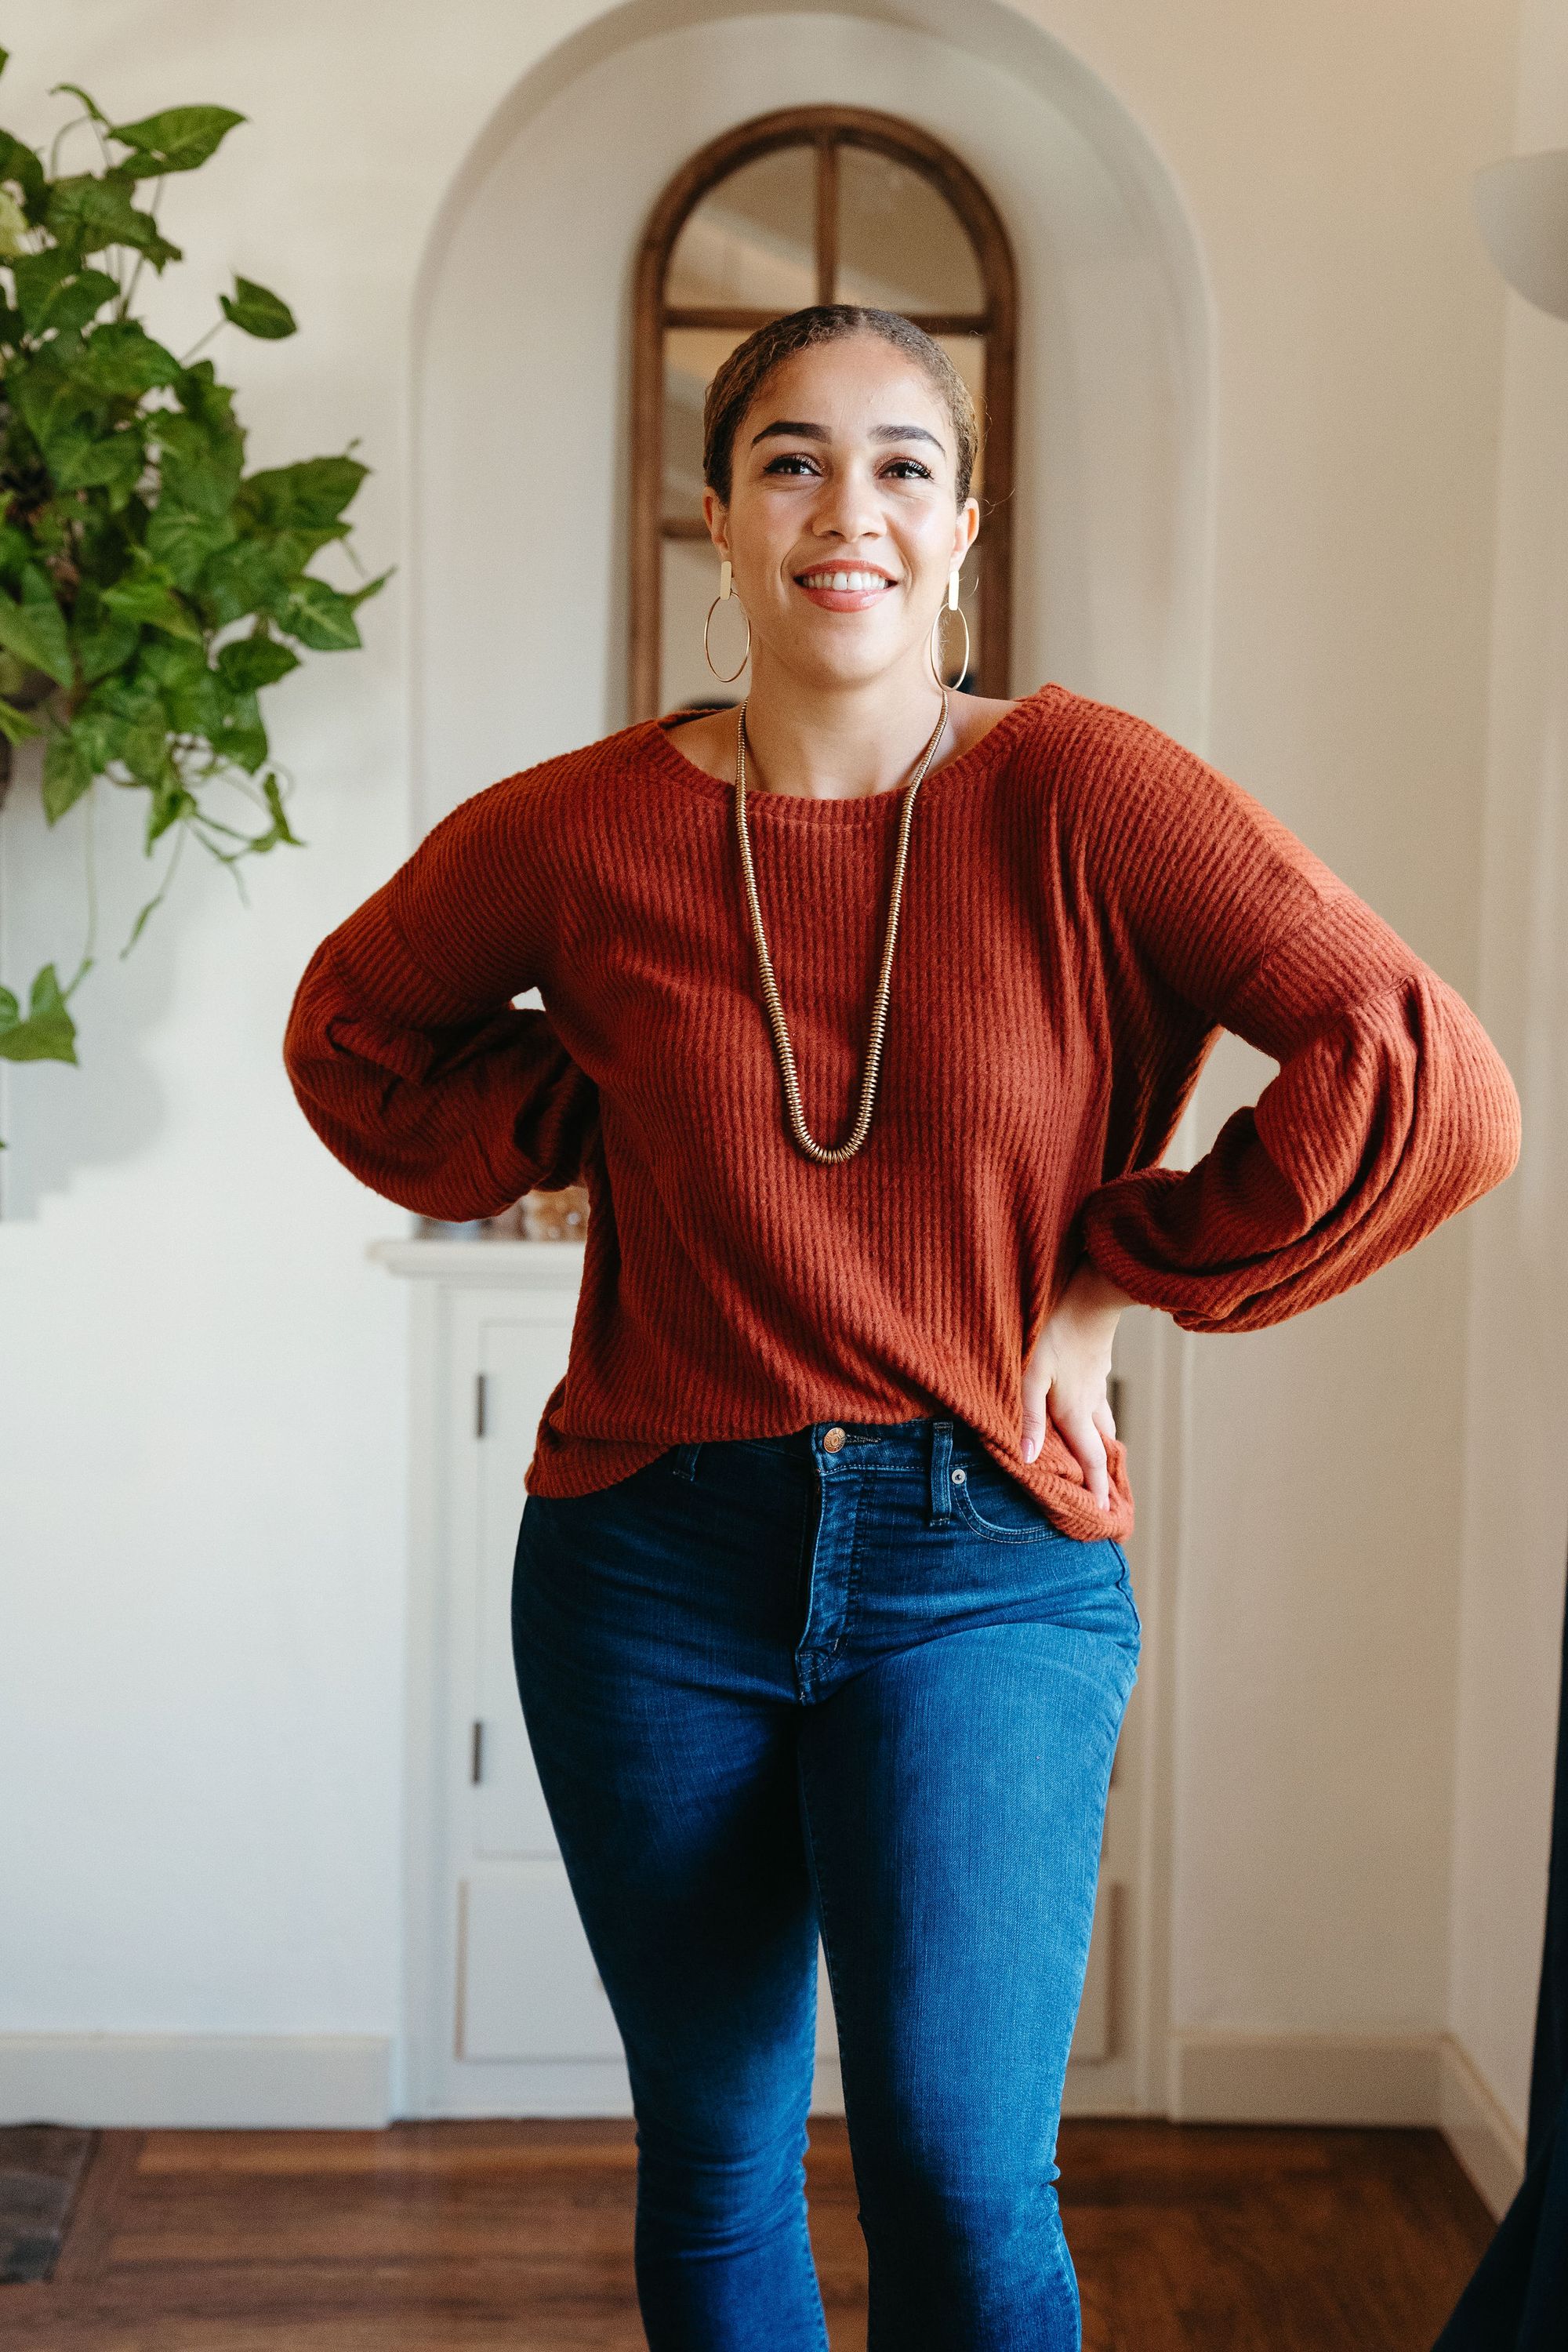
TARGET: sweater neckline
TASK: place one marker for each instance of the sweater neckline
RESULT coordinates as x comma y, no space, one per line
865,807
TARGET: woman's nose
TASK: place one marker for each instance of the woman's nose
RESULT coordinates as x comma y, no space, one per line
848,509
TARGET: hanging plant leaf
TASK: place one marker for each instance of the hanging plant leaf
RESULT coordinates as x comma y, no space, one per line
33,629
22,167
152,602
88,213
180,542
81,459
200,460
15,553
250,663
171,803
15,725
54,290
103,641
246,577
120,360
48,1033
210,402
358,596
67,775
293,549
288,498
177,140
320,616
193,696
256,313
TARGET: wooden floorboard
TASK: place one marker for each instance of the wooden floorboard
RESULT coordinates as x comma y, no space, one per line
463,2237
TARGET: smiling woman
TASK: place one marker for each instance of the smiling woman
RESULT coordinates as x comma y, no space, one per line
821,1614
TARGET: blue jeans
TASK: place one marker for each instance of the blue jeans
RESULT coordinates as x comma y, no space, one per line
852,1681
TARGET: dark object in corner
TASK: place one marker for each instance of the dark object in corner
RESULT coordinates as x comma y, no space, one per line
1518,2299
41,2167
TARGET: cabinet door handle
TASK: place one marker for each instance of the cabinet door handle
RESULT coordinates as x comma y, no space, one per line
482,1401
477,1754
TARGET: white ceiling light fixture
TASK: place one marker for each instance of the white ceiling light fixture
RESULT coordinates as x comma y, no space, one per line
1522,208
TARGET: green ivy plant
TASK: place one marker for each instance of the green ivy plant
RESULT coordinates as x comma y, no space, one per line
151,589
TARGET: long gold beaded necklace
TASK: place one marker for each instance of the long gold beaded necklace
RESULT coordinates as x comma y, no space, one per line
808,1142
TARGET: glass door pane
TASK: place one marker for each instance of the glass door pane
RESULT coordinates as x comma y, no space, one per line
901,247
691,357
751,243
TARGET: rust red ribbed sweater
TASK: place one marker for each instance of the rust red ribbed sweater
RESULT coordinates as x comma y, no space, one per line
1086,904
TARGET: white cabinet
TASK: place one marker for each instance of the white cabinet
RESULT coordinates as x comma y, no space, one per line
506,2015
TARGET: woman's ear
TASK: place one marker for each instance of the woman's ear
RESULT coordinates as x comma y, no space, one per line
966,528
716,514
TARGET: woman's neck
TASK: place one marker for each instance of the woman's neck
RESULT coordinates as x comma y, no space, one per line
839,743
842,743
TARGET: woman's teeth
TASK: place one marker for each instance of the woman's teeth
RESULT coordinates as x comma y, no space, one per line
851,579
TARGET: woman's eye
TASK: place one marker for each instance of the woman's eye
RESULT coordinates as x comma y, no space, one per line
798,461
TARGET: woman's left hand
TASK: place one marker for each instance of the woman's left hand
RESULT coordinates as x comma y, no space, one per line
1066,1375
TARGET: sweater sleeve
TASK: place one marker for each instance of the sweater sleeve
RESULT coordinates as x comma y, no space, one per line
1390,1110
403,1047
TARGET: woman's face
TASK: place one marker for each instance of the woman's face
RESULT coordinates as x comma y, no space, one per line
843,465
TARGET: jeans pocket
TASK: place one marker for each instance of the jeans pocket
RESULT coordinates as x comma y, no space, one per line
993,1504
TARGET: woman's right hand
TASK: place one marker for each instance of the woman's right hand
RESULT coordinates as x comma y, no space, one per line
1066,1377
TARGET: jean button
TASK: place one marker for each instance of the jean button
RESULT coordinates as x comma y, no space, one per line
959,1476
833,1440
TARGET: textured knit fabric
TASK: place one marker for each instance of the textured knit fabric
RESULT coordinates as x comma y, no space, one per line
1086,904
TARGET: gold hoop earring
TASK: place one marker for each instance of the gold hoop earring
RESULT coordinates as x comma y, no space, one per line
952,605
725,592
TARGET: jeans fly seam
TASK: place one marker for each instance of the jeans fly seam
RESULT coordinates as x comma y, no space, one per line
852,1581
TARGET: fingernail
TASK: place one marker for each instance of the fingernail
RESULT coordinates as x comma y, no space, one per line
1031,1447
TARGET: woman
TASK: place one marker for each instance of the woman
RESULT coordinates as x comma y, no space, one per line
870,1010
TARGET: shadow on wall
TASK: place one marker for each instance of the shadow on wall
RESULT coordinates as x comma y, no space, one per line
57,1120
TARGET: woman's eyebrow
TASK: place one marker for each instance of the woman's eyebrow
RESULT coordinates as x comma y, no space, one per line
904,433
786,427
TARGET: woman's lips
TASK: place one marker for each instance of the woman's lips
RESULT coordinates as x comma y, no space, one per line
844,599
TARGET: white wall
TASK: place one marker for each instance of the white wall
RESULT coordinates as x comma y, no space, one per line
1516,1516
203,1379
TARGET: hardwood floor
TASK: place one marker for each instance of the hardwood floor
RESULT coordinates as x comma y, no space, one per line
453,2237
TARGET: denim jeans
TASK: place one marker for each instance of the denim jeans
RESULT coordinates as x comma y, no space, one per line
850,1681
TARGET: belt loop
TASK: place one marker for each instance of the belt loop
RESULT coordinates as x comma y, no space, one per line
685,1463
940,1482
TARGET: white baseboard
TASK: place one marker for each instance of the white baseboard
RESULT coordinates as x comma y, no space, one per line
1305,2078
1355,2079
196,2081
301,2081
1480,2135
